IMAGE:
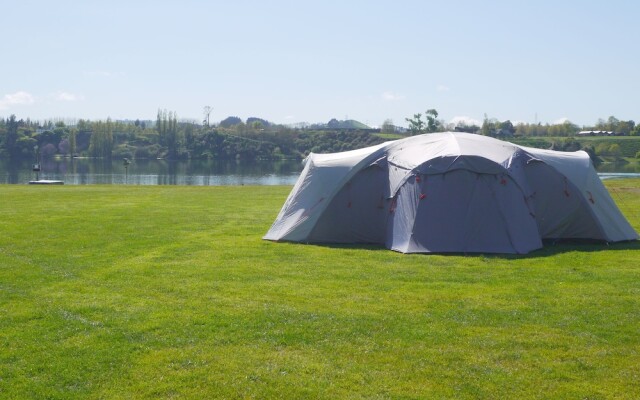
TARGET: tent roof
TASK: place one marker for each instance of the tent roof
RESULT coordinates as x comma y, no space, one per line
413,151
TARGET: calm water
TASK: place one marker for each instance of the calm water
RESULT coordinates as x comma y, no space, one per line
193,172
154,172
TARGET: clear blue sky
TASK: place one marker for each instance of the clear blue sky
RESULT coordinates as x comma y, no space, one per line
294,61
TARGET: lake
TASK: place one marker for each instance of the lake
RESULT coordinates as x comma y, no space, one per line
86,171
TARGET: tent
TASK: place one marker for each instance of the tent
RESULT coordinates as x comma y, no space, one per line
449,192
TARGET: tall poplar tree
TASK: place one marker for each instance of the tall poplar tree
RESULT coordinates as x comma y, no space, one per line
72,142
101,142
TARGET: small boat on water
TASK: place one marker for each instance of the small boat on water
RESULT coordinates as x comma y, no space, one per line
46,182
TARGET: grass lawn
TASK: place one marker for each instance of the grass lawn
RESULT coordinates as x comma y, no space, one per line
165,291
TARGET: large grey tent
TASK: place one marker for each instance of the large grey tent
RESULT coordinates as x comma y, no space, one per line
449,192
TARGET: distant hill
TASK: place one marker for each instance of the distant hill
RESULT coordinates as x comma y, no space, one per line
334,124
346,124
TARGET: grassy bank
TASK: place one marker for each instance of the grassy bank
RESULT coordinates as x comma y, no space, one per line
156,292
629,146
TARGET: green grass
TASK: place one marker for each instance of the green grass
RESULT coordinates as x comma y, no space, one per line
390,136
629,145
169,292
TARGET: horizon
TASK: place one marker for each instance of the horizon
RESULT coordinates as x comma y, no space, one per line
367,61
300,124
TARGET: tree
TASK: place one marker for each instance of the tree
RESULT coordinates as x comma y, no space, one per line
507,126
488,127
433,125
416,125
333,124
63,146
48,150
613,124
168,132
387,127
72,142
25,146
172,136
12,136
159,123
51,136
101,142
263,122
189,135
256,125
625,127
230,121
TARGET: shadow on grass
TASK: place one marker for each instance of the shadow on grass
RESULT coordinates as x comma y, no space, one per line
551,248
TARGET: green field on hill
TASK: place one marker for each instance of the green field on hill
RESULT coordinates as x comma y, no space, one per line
628,146
170,292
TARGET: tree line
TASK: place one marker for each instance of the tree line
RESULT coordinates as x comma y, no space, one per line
496,128
167,137
254,138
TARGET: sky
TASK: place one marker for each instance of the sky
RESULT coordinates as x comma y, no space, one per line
302,61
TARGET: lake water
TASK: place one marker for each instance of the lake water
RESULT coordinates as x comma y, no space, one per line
84,171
